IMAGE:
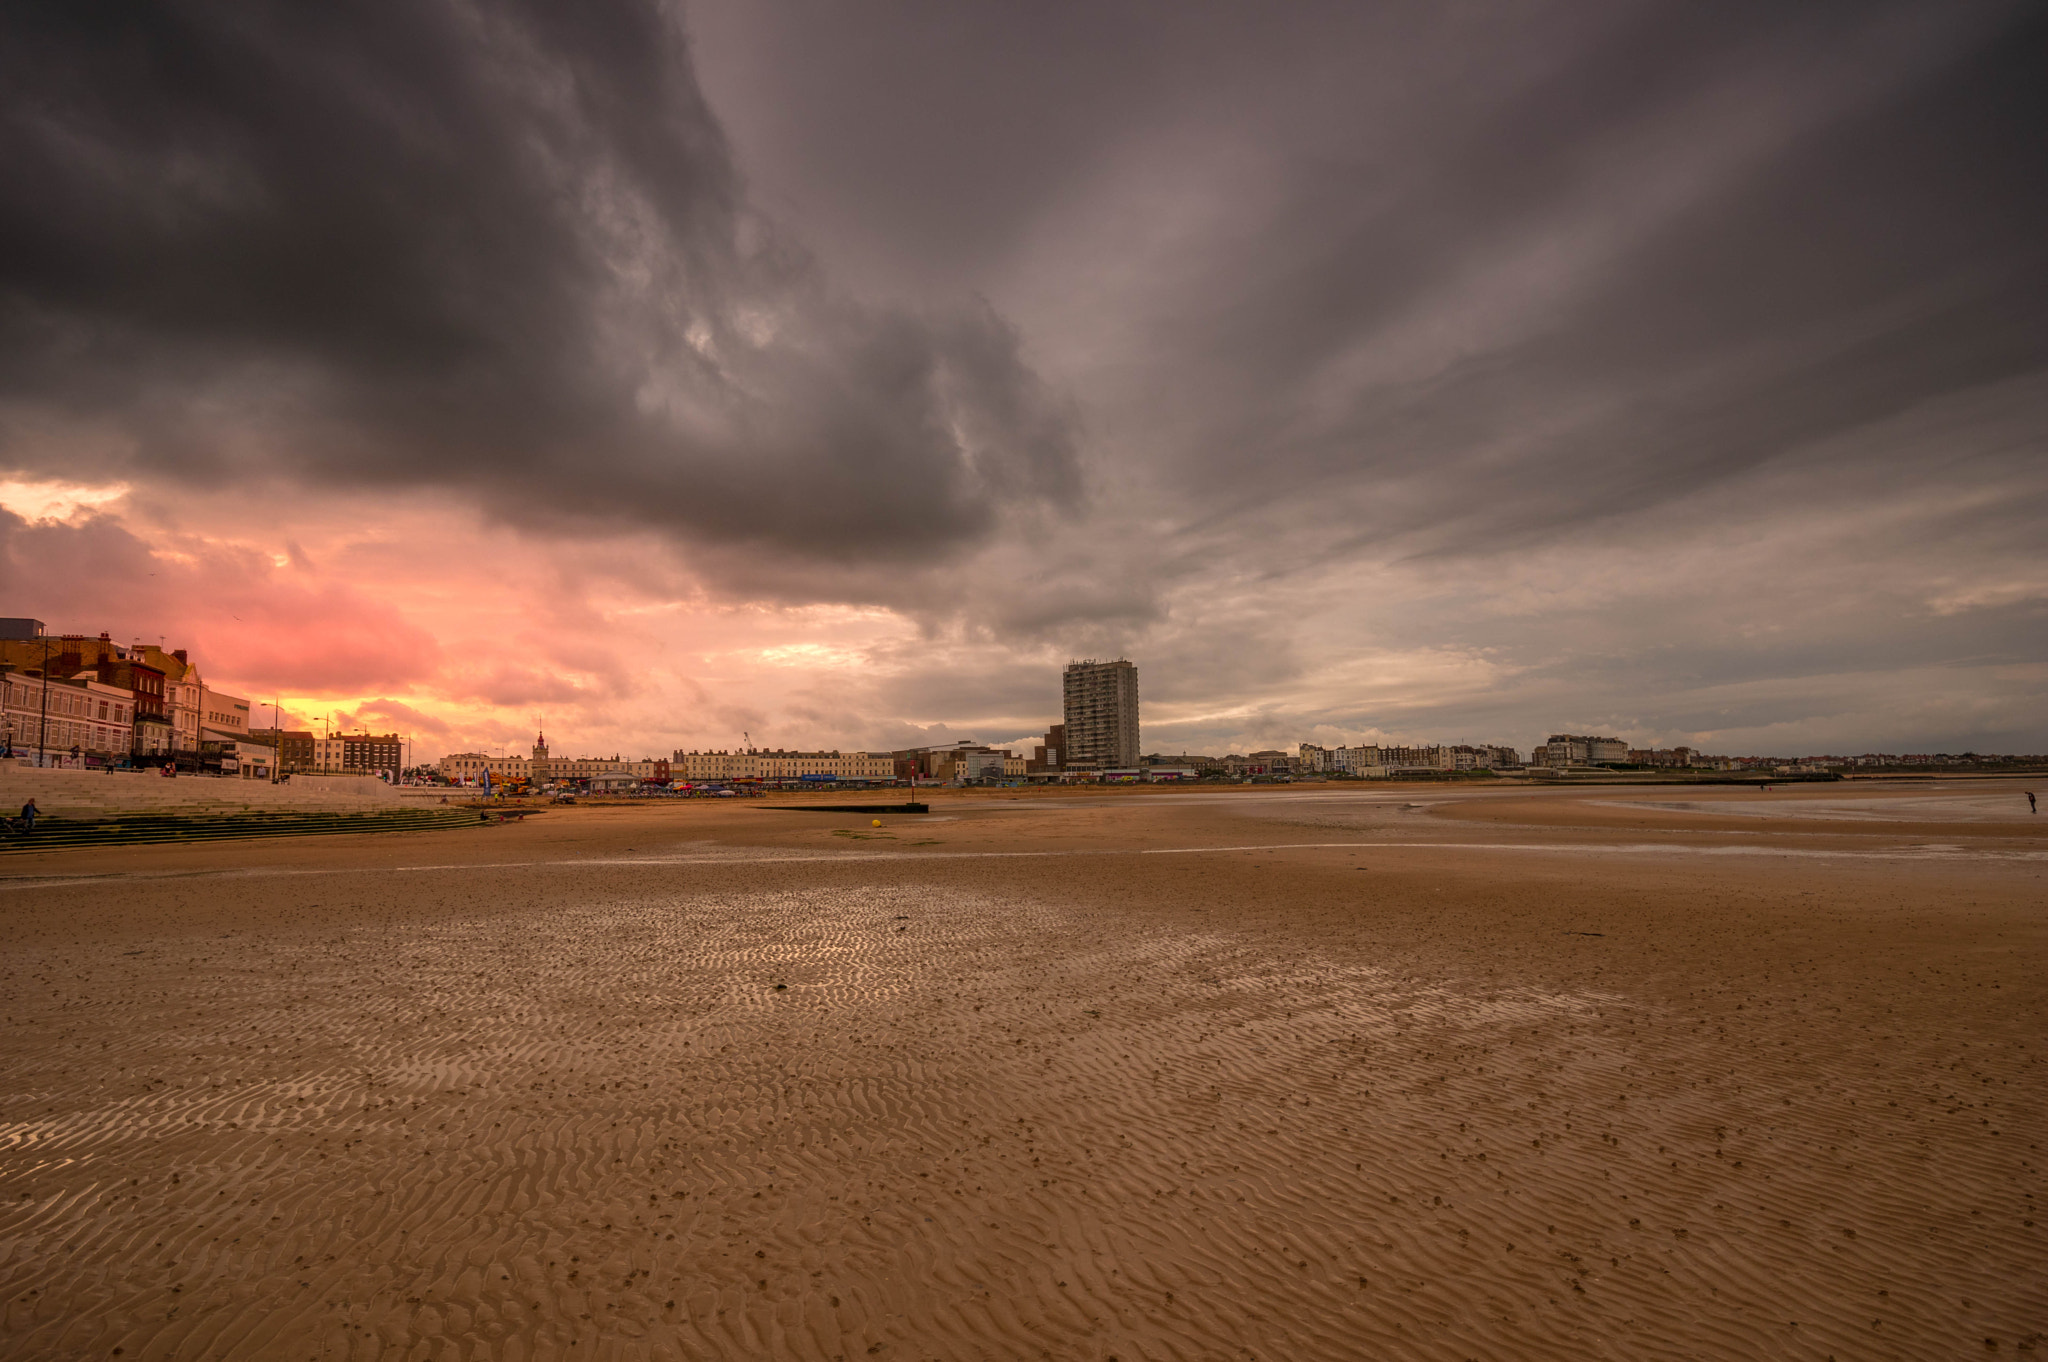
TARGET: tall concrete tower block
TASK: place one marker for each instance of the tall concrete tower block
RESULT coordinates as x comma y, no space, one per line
1101,714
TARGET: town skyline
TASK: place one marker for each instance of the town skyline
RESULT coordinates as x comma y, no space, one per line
190,717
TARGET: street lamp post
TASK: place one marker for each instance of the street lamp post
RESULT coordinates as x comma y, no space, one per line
43,733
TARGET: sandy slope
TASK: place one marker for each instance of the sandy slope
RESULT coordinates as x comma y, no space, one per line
1047,1078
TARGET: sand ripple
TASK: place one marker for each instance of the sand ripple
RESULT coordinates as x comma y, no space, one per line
661,1115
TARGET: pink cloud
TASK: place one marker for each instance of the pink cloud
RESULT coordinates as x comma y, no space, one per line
329,639
247,622
422,618
516,687
388,715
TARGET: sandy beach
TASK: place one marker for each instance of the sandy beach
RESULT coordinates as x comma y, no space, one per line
1283,1073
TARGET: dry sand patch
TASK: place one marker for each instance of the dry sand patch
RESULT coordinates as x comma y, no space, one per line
545,1098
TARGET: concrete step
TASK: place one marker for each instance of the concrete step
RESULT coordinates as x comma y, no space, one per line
82,793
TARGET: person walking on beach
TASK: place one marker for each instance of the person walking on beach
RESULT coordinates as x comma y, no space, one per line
2032,807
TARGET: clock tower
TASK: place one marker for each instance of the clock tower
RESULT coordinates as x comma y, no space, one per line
537,769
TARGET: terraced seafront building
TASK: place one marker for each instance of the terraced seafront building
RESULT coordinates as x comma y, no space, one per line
1101,714
764,764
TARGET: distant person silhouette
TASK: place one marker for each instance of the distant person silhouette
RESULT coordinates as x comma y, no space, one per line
2032,807
28,816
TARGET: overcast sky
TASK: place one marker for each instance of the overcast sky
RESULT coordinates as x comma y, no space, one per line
834,372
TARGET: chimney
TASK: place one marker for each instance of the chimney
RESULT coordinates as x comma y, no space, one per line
179,653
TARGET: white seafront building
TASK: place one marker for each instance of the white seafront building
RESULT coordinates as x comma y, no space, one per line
762,764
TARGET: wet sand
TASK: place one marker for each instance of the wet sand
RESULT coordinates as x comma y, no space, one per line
1275,1074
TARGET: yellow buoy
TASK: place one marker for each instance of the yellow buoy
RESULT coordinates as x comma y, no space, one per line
877,822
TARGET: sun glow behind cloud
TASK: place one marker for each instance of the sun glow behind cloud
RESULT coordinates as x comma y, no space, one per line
57,501
461,633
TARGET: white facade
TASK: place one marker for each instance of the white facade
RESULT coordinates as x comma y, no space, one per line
469,768
981,765
182,706
1356,761
70,720
253,760
222,717
590,768
760,765
1569,749
1382,761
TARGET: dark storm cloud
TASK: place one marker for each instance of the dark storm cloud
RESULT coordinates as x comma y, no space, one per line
1493,270
1696,247
498,249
